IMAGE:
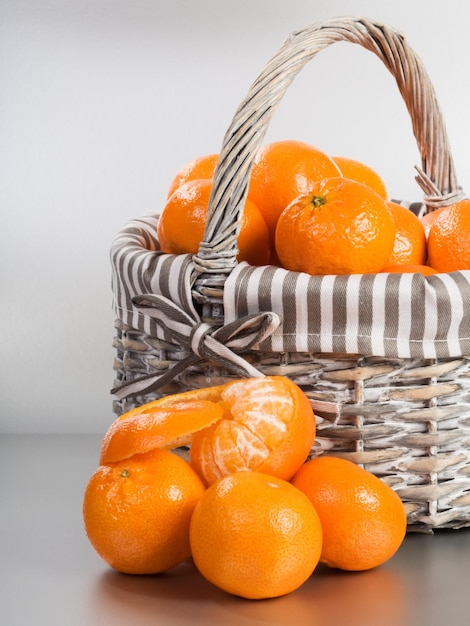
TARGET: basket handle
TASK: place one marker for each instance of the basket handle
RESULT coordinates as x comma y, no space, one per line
217,252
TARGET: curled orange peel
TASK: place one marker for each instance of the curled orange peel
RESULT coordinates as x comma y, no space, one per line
167,423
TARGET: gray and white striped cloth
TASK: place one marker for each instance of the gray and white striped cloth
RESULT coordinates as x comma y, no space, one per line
139,268
392,315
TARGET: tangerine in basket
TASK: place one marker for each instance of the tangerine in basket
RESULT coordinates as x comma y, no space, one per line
428,219
410,239
200,167
363,519
268,426
339,227
137,512
255,535
410,268
183,220
282,171
362,173
449,238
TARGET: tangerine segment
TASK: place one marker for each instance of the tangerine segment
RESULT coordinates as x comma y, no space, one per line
268,426
157,427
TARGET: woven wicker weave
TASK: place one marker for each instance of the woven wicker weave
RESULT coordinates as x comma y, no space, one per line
406,419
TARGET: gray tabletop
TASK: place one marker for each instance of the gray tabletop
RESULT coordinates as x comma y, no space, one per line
51,576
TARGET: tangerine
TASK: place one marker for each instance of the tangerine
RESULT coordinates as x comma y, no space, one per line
449,238
427,219
183,220
340,227
268,426
137,512
363,519
410,268
264,424
255,536
200,167
410,239
362,173
282,171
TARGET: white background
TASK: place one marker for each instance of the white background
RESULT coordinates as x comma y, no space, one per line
101,101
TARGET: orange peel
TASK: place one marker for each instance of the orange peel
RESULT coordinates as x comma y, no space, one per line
157,426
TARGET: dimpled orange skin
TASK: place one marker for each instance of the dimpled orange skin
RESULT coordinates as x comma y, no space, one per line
200,167
449,238
268,426
364,521
410,239
428,219
255,536
340,227
362,173
282,171
137,512
182,224
410,268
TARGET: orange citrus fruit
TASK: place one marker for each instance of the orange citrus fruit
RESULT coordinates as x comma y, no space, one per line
449,238
183,219
137,512
264,424
268,426
363,519
340,227
200,167
410,239
428,219
362,173
410,268
282,171
255,536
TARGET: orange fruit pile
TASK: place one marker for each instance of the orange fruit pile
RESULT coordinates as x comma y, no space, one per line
254,514
301,204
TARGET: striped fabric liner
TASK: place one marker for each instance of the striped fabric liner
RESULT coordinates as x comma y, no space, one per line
139,268
392,315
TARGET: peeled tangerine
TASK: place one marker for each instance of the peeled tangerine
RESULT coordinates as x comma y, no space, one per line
264,424
268,426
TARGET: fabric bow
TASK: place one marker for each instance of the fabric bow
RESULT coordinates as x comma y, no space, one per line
220,344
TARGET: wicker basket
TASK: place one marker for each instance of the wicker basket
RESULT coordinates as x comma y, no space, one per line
381,357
